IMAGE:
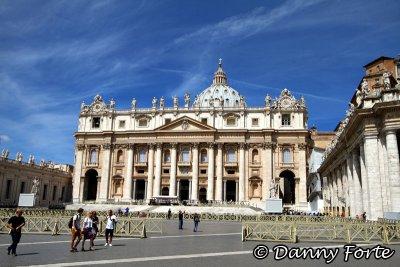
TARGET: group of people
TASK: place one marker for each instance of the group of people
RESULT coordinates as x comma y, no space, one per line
196,220
88,229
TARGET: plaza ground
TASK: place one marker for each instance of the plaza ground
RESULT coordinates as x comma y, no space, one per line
216,244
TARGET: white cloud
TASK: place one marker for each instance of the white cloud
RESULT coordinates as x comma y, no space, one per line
4,138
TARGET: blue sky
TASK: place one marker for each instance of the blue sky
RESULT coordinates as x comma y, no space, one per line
54,54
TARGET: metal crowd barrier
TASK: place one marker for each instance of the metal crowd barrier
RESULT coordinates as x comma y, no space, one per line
314,231
126,227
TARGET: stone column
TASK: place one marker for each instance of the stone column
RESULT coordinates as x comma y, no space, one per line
172,177
224,190
335,193
374,181
267,170
105,173
358,195
128,179
339,189
134,189
330,188
364,182
302,174
157,176
178,188
190,189
350,184
220,171
241,172
150,172
77,174
393,170
145,190
210,172
195,172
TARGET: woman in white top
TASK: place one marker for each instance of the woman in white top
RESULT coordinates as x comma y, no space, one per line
88,231
110,226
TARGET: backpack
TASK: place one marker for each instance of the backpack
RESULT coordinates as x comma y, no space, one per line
70,222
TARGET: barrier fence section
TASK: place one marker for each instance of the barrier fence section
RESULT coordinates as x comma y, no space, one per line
127,227
386,232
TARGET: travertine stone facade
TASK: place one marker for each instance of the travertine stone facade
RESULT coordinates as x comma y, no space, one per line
53,182
214,149
361,167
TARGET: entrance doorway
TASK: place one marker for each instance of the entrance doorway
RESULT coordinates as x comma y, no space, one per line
165,191
140,189
230,191
91,184
203,195
287,193
183,189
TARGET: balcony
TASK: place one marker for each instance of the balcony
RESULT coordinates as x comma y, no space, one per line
231,164
141,164
184,163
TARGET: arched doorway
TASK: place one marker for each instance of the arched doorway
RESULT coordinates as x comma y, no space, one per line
203,195
184,189
140,189
230,191
287,193
165,191
91,184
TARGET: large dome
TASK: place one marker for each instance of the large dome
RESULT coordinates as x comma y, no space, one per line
219,94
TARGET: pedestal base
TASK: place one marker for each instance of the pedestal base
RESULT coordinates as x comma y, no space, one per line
273,205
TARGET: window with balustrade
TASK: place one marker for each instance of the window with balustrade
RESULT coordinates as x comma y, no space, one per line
203,156
142,155
93,156
287,155
185,154
167,156
231,155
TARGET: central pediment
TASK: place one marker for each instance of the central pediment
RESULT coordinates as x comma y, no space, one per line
185,124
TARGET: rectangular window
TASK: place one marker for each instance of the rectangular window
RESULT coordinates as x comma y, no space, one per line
96,122
166,171
121,124
22,189
285,119
167,121
140,171
62,193
203,171
44,196
8,189
204,120
230,171
287,155
254,122
54,192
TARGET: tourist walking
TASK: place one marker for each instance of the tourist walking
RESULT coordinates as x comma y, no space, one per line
75,225
110,226
169,214
196,219
88,231
95,225
15,224
180,218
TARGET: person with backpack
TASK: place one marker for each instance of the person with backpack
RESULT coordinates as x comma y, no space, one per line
110,226
15,224
75,226
196,219
180,218
95,224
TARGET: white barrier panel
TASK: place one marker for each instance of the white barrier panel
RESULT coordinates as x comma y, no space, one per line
26,200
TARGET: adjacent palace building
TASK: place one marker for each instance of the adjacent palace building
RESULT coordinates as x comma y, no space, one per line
361,170
215,148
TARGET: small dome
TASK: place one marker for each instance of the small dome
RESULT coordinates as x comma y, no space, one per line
219,93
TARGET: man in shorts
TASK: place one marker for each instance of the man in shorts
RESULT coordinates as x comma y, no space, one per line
110,226
76,230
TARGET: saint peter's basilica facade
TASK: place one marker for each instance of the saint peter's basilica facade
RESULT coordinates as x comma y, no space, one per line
214,148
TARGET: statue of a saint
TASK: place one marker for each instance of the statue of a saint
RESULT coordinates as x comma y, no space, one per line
267,101
241,102
112,103
272,189
133,104
154,103
35,186
386,80
162,103
175,102
186,99
364,87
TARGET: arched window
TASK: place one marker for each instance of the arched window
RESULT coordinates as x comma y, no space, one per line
287,155
93,156
120,156
142,155
167,156
203,156
254,156
185,154
230,155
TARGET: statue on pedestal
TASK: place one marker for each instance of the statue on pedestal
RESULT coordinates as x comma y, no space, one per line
162,102
175,102
187,99
133,104
154,103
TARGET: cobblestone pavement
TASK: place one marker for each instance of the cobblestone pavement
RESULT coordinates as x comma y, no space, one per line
216,244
